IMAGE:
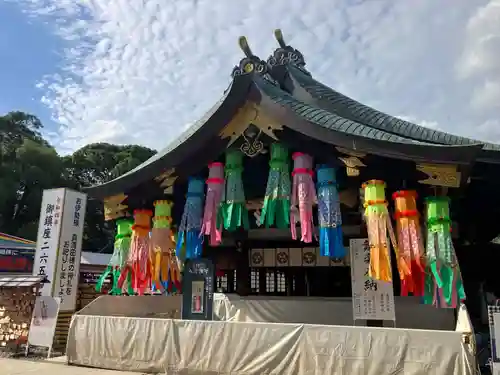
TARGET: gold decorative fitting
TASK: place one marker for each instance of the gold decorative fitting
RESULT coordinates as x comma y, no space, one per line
352,161
440,175
167,180
114,207
240,126
352,164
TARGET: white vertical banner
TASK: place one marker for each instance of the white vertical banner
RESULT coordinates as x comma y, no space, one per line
371,299
49,230
43,321
67,270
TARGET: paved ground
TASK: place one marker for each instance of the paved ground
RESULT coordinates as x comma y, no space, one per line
52,367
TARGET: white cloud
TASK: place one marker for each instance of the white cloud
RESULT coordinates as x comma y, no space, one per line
480,61
428,124
138,71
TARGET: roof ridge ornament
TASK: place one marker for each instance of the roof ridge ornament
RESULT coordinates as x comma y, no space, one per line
251,64
286,54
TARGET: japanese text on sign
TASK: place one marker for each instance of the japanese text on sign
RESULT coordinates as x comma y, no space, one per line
372,299
49,228
66,277
76,215
198,269
67,271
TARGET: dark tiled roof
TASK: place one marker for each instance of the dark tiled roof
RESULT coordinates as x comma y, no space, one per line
330,120
353,110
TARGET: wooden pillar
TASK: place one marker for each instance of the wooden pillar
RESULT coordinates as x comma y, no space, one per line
242,268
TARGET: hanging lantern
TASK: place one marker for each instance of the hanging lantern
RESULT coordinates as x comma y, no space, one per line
303,196
161,243
410,242
329,216
276,206
215,191
233,209
444,286
190,227
138,270
379,226
118,261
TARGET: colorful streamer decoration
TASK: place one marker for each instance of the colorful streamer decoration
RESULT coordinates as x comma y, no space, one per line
303,196
138,271
379,225
329,216
190,227
215,191
233,209
444,286
162,245
410,243
276,206
118,261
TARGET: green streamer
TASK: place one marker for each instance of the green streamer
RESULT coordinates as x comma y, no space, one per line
119,258
233,211
276,205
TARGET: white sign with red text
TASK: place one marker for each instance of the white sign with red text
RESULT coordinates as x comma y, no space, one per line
371,299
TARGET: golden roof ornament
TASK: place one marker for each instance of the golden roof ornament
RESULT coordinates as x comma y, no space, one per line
167,180
114,207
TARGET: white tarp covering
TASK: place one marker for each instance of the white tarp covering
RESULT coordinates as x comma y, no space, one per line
209,348
329,311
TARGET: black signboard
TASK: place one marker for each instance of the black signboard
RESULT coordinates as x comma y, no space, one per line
198,284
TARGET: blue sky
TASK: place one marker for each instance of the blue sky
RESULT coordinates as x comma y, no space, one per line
28,51
126,71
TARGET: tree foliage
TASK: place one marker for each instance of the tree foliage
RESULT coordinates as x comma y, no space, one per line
29,165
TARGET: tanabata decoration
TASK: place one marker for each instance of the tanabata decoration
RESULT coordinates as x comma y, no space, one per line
165,270
276,206
118,261
189,234
410,242
173,284
303,197
331,242
444,286
233,209
379,226
138,270
215,190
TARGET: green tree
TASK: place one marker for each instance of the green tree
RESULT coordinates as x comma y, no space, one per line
28,165
96,164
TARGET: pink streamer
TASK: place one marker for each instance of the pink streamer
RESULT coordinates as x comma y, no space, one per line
215,189
303,195
139,260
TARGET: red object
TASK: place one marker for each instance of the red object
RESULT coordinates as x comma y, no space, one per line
219,273
12,263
